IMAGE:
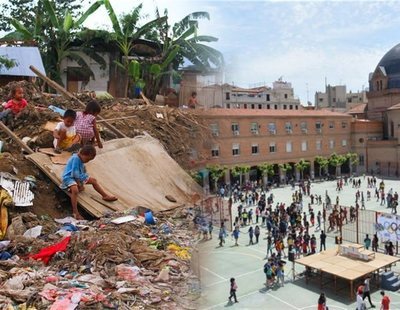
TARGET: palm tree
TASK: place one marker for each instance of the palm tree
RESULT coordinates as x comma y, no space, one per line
239,171
216,172
285,168
267,170
323,163
126,31
180,42
301,166
56,41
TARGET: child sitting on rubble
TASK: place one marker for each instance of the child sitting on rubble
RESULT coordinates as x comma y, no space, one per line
65,136
75,177
85,124
13,107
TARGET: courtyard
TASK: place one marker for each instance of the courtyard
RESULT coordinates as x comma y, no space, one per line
245,264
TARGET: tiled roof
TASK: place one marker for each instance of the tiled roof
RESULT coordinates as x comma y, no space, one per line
266,112
358,109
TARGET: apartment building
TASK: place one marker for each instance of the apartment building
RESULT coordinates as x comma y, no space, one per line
252,137
337,98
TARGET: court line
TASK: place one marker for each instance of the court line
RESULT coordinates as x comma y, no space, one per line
213,273
235,276
329,306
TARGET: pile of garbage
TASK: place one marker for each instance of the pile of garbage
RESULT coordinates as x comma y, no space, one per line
122,261
176,129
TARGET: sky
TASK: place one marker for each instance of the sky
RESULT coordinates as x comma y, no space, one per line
305,42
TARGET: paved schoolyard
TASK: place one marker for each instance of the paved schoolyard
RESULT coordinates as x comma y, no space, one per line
245,263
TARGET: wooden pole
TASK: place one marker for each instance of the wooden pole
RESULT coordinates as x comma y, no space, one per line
116,118
15,138
68,95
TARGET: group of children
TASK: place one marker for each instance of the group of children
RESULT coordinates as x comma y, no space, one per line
76,132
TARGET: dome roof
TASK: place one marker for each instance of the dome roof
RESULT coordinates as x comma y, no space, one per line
391,63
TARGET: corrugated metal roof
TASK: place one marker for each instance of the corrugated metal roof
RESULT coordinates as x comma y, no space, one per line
24,56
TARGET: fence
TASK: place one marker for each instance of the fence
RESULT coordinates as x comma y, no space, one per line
217,210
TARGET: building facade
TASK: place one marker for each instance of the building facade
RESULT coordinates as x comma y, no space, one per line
337,98
252,137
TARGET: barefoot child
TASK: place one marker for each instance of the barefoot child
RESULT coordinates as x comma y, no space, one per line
85,124
13,107
75,177
65,136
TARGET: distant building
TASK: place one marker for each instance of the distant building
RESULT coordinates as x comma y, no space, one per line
278,97
338,99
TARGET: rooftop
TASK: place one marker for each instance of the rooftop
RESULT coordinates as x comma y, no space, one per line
358,109
265,112
24,56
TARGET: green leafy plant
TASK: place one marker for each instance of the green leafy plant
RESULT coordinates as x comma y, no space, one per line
216,172
301,166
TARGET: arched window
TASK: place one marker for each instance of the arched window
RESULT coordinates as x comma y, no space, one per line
377,85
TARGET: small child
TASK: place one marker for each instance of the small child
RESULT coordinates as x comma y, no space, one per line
13,107
65,136
85,124
232,291
75,177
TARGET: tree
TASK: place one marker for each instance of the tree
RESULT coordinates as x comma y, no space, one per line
267,170
126,31
239,171
323,163
301,166
353,160
285,168
337,161
196,176
56,41
180,42
216,172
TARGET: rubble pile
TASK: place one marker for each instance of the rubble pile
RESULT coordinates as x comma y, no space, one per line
174,128
69,264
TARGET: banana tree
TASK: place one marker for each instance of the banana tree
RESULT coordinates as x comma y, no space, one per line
267,170
56,40
179,42
301,166
216,172
337,161
322,162
126,31
353,160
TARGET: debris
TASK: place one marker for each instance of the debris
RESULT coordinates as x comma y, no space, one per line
123,219
33,232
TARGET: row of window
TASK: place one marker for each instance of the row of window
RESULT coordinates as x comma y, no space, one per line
255,149
261,106
272,129
267,96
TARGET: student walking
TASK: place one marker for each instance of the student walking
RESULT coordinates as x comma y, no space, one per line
235,235
366,291
323,241
367,242
257,233
222,235
233,289
385,302
251,234
322,302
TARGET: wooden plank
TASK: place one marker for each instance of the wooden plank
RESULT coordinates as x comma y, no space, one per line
15,138
105,203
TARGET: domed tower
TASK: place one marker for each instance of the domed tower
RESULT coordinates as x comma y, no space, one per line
384,85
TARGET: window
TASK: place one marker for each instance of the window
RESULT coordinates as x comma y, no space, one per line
334,99
284,106
253,106
291,107
272,147
254,128
318,145
304,146
318,127
260,106
268,97
228,105
288,127
285,96
272,128
344,124
245,106
228,96
361,160
331,144
276,107
288,147
235,129
344,142
215,151
303,127
236,149
214,130
331,125
380,85
321,99
297,107
268,106
254,149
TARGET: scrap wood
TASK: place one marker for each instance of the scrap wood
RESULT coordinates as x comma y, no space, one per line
15,138
145,99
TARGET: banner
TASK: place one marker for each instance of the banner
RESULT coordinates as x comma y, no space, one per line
388,227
